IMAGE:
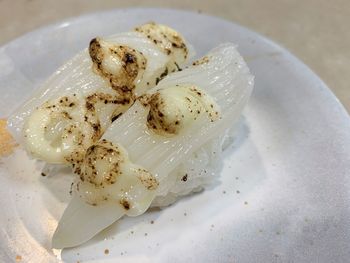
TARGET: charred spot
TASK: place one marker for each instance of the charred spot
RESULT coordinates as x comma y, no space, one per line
125,203
81,176
147,179
177,66
94,43
116,117
66,115
96,127
89,106
164,73
125,88
109,177
144,99
156,117
125,101
149,117
94,50
129,58
71,188
163,39
132,63
201,61
91,97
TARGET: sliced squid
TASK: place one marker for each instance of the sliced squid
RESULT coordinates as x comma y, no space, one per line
161,148
76,105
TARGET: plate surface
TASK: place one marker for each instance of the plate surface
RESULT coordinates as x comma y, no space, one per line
284,192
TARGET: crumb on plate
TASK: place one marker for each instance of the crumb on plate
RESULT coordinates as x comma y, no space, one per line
7,143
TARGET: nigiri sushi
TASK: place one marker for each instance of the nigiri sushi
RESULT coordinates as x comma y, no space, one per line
76,105
163,147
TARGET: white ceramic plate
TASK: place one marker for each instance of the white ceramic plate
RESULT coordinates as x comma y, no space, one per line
290,164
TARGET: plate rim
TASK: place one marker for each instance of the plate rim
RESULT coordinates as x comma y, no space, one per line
332,100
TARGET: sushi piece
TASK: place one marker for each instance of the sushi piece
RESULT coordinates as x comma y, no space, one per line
76,105
165,146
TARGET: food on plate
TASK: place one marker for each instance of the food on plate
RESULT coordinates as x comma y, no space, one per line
77,104
166,145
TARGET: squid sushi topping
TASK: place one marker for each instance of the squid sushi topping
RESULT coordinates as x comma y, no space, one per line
72,110
164,146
